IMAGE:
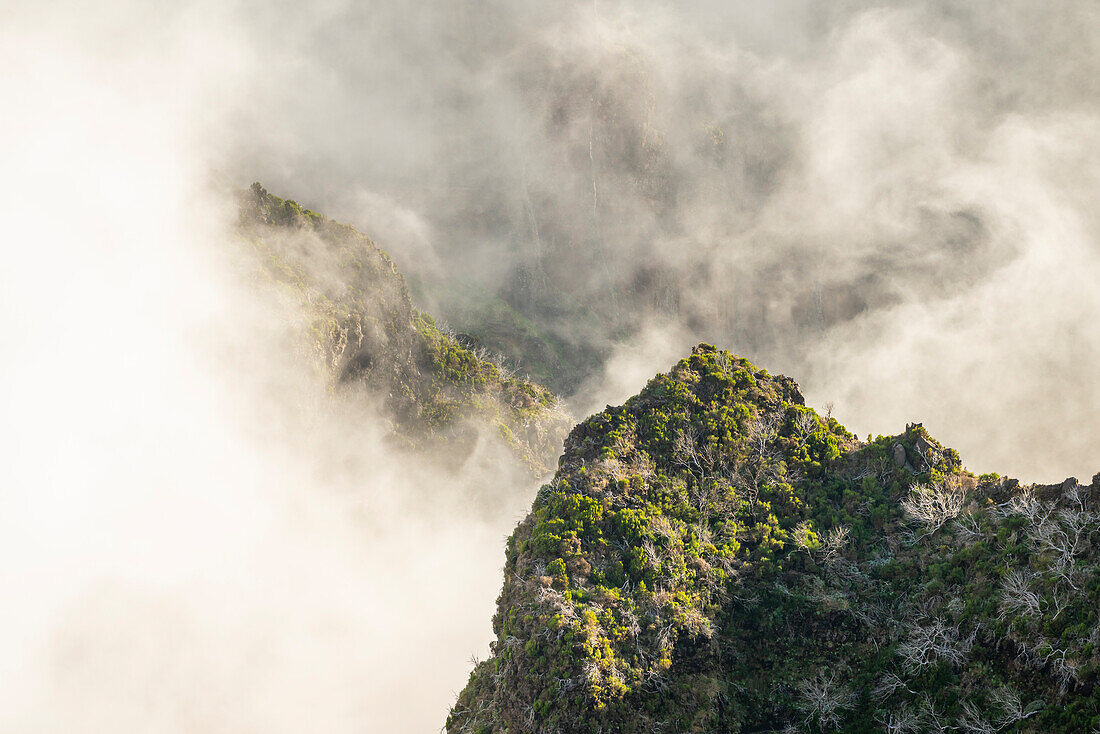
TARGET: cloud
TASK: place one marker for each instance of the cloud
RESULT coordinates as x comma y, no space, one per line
196,533
781,180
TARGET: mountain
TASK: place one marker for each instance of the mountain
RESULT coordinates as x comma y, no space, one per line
438,393
715,556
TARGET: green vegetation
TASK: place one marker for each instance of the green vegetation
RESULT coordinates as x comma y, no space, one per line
365,331
550,357
714,556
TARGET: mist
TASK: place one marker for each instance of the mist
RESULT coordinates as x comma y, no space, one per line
889,202
892,203
197,532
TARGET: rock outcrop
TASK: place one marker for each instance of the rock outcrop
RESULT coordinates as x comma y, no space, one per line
714,556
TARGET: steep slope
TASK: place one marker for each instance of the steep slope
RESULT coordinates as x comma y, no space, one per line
366,332
714,556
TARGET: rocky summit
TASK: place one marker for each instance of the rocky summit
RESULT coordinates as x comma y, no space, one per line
715,556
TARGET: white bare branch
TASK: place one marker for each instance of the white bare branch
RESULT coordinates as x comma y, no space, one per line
928,644
1017,598
903,720
1009,708
932,506
834,542
824,699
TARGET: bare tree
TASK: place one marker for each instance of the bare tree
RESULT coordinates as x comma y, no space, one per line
973,721
805,422
1017,598
903,720
801,536
928,644
1005,708
697,460
748,477
506,371
930,717
1061,536
932,506
1025,503
1009,707
1043,655
834,542
888,685
824,699
969,527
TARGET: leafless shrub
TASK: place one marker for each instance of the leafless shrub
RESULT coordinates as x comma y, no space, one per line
834,542
1066,670
973,721
696,623
1073,495
903,720
1025,503
652,554
888,685
802,536
932,506
698,460
824,699
1043,655
1061,536
1009,707
748,477
930,718
928,644
507,372
969,527
1017,598
446,330
630,621
529,716
763,431
665,636
591,671
806,422
1005,707
548,596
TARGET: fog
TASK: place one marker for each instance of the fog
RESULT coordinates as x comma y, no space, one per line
196,533
892,203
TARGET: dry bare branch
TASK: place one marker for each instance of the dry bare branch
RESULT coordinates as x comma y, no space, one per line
824,699
932,506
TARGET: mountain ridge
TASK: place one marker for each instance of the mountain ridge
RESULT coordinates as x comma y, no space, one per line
715,556
438,392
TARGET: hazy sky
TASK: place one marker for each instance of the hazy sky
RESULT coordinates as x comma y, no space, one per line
893,203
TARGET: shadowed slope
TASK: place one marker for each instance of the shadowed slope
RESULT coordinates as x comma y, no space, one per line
366,332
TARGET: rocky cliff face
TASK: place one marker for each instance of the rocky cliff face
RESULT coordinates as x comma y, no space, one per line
366,333
714,556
